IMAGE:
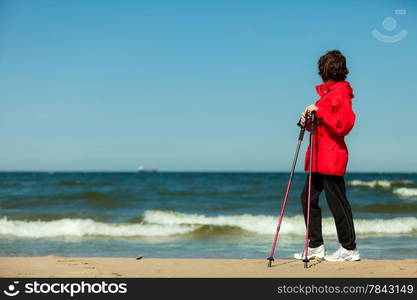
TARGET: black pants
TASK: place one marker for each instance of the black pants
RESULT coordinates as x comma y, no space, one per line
334,188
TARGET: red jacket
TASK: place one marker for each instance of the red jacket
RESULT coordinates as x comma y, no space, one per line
334,120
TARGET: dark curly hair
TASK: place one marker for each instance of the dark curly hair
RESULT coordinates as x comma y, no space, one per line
332,66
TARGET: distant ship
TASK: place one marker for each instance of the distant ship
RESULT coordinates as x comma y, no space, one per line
142,169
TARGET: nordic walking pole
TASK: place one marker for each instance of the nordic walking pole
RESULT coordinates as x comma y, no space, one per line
312,119
274,244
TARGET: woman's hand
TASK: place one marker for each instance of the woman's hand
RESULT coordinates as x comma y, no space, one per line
306,112
311,108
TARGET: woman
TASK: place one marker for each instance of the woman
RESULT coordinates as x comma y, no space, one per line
334,120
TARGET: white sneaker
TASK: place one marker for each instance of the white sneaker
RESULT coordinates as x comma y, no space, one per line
318,252
343,254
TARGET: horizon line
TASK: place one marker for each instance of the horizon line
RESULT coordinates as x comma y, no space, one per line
186,171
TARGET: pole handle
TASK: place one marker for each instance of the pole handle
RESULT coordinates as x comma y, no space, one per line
312,122
299,124
302,130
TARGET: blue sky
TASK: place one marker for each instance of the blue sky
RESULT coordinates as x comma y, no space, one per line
197,85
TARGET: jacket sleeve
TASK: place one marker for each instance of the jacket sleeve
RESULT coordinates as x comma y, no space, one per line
338,117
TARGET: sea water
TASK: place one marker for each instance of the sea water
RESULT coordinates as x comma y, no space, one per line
223,215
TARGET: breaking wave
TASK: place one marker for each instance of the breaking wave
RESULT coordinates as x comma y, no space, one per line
386,184
406,192
403,188
167,223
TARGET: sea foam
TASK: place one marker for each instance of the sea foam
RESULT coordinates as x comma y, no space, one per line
167,223
406,192
379,183
402,188
86,227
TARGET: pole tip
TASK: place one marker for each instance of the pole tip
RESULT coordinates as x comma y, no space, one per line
306,260
270,260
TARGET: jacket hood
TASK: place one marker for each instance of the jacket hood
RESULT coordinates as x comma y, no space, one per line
340,86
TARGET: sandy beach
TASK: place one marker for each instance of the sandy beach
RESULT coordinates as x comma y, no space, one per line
52,266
